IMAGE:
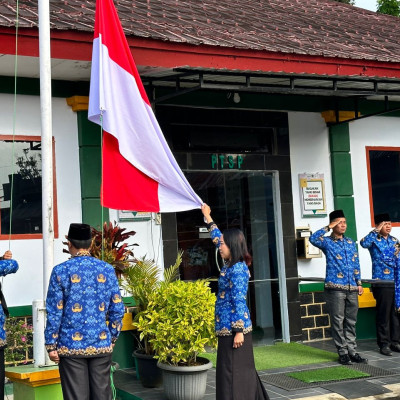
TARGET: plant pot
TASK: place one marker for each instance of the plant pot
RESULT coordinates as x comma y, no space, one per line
185,383
149,374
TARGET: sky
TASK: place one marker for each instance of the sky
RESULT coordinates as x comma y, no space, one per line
368,4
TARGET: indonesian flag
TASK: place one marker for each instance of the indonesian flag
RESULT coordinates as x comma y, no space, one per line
139,171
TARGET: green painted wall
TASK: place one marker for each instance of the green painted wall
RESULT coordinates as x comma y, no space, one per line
342,181
89,136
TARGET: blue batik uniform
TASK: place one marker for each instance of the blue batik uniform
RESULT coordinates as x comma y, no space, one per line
84,308
6,267
231,311
382,253
342,263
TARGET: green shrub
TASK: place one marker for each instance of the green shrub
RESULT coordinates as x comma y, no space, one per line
179,321
19,348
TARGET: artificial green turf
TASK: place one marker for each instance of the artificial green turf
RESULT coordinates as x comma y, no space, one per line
327,374
282,355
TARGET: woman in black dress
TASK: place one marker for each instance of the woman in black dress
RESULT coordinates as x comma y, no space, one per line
236,377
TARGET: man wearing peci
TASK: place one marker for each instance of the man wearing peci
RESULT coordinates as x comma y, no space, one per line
83,296
342,285
382,247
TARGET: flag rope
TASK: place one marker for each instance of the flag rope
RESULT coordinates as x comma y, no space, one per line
14,123
101,186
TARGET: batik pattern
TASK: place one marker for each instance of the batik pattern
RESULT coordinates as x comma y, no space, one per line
382,252
231,311
342,263
84,308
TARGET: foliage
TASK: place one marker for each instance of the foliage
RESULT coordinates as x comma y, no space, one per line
390,7
29,166
142,279
179,321
19,348
110,247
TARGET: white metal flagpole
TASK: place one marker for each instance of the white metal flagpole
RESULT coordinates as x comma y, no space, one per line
47,174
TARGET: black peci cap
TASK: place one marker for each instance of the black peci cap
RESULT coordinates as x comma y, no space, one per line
79,232
336,214
381,217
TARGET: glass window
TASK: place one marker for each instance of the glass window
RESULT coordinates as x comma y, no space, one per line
20,187
384,181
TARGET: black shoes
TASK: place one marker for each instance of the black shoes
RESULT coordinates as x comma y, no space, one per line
344,359
385,351
395,347
358,359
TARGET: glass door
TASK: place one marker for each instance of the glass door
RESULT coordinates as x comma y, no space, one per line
243,200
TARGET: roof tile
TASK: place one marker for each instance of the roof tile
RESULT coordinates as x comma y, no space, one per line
312,27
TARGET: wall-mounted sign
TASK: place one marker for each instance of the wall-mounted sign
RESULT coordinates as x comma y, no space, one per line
225,161
133,215
312,195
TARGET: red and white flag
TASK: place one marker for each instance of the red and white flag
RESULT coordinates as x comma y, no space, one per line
140,172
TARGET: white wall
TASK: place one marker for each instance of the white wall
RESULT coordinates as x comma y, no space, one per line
26,285
148,237
373,131
309,152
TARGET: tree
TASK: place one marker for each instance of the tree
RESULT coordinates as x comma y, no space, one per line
390,7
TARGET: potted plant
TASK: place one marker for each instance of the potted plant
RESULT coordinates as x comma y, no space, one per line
179,324
141,280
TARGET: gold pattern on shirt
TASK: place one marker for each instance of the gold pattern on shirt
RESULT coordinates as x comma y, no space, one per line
60,305
89,351
75,278
116,298
356,272
340,275
102,306
339,257
386,271
77,336
101,278
222,295
103,335
76,307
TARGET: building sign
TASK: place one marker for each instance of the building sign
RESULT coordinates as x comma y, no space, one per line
225,161
312,195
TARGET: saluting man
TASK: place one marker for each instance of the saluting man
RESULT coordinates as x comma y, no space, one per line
83,295
382,246
342,285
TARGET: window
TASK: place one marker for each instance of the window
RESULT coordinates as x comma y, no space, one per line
383,165
21,168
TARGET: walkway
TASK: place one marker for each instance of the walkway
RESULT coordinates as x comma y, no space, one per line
373,388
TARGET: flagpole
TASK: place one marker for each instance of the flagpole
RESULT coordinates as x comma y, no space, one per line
40,354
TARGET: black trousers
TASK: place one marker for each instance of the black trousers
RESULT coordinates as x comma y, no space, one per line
387,320
86,378
236,375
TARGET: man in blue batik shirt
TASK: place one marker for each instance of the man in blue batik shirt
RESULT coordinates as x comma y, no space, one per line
342,285
382,246
83,296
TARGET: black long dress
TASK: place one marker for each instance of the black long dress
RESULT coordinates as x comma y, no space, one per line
236,377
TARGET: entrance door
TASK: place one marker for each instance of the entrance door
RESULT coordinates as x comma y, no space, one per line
243,200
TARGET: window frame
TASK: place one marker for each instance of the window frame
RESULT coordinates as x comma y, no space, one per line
22,236
371,200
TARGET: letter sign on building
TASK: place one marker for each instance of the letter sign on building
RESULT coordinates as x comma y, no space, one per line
312,195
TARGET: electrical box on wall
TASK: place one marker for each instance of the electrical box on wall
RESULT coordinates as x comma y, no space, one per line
305,250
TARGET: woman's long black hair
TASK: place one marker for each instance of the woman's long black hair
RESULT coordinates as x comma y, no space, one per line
237,245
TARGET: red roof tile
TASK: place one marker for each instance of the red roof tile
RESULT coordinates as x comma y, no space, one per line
311,27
